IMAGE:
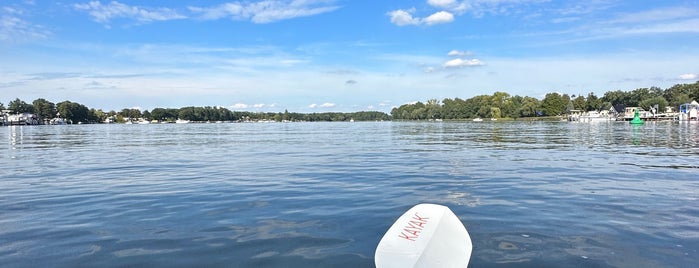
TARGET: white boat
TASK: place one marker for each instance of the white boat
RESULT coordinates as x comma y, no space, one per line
57,121
182,121
477,119
591,116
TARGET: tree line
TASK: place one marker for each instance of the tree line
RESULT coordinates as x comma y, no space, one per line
503,105
75,112
497,105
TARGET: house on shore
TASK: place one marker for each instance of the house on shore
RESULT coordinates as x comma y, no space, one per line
3,116
23,119
689,111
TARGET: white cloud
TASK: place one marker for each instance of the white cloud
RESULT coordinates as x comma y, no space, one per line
450,5
256,12
239,106
264,11
457,53
441,3
242,106
688,76
459,63
439,18
403,17
115,10
324,105
14,29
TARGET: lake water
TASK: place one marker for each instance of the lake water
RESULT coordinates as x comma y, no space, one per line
541,194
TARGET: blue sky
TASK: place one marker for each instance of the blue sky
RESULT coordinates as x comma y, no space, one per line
337,55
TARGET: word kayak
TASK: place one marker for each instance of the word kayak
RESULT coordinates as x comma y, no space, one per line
427,235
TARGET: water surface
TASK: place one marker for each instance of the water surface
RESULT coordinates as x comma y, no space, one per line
550,194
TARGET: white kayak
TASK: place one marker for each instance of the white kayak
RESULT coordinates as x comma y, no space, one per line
427,235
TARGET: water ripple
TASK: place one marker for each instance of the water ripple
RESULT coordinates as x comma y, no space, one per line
322,194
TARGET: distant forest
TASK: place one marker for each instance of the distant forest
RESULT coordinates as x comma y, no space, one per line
76,112
503,105
498,105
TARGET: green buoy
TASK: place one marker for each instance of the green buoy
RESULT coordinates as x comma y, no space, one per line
636,119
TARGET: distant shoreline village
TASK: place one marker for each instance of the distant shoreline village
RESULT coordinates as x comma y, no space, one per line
677,103
685,112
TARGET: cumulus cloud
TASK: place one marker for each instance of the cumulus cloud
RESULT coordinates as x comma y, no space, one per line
439,18
242,106
239,106
403,17
446,10
689,76
324,105
265,11
350,82
104,13
460,63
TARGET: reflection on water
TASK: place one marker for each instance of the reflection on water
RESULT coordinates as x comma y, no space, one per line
532,194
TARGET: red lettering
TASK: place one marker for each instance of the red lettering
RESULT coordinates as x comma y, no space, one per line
411,238
410,225
417,217
412,232
418,223
413,229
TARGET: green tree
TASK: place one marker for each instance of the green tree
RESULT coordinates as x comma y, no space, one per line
495,112
618,97
579,103
74,112
19,106
130,113
681,94
647,104
593,103
553,104
433,109
147,115
100,116
529,107
44,109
